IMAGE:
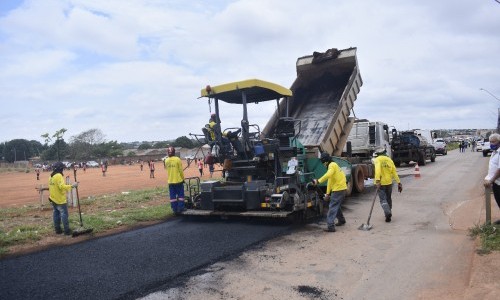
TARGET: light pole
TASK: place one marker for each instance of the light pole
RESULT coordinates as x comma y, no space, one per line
498,118
481,89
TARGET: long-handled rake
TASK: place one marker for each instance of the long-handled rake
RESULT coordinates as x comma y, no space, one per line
367,226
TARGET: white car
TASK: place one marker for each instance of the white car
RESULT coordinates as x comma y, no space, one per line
67,164
479,146
486,148
92,164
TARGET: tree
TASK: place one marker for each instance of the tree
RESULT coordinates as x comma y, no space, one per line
60,149
84,144
36,148
160,145
109,149
183,142
2,146
19,149
144,146
59,144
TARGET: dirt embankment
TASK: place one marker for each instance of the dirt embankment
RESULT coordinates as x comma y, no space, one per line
19,188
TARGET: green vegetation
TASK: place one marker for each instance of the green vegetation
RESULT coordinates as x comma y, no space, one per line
29,224
88,145
452,146
489,235
12,169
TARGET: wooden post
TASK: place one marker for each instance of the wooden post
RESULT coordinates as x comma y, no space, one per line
41,197
41,188
487,196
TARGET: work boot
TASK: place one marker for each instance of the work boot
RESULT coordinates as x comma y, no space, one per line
68,232
59,231
388,218
329,229
340,223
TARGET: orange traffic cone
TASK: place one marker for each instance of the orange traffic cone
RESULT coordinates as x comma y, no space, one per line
417,171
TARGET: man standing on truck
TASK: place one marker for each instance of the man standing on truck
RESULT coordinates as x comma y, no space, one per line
335,191
385,172
173,165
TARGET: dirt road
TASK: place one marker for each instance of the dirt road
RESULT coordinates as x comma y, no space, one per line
18,188
424,253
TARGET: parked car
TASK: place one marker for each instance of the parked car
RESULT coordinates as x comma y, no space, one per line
190,157
486,148
479,146
92,164
440,146
67,164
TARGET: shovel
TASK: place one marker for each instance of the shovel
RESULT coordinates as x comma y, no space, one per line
367,226
80,230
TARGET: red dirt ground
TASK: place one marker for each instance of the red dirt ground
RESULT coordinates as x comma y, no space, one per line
18,188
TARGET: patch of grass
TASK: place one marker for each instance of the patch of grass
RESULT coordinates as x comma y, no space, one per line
28,224
489,235
452,146
12,169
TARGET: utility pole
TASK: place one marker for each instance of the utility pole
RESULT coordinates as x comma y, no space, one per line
498,118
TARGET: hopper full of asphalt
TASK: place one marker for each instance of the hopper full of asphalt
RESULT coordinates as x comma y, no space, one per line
130,264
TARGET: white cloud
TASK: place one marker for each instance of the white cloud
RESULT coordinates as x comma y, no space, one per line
134,69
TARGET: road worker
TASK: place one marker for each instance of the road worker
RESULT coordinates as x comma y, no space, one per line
385,173
57,191
173,165
335,191
209,129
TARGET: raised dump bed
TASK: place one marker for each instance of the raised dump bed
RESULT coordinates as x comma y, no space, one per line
324,92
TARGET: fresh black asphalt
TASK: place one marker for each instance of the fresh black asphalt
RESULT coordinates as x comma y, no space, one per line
131,264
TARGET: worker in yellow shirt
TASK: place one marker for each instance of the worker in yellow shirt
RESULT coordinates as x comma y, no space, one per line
175,173
209,129
57,197
385,173
335,191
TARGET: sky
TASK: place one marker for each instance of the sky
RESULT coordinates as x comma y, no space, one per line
134,69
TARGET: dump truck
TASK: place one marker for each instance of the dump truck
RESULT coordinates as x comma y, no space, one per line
268,172
365,137
411,146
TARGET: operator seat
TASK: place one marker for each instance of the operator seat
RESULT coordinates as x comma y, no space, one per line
285,129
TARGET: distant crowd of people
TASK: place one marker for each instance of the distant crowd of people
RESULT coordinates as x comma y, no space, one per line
463,145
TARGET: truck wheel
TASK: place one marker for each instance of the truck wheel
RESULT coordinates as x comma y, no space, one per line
359,179
349,187
421,159
433,157
319,205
